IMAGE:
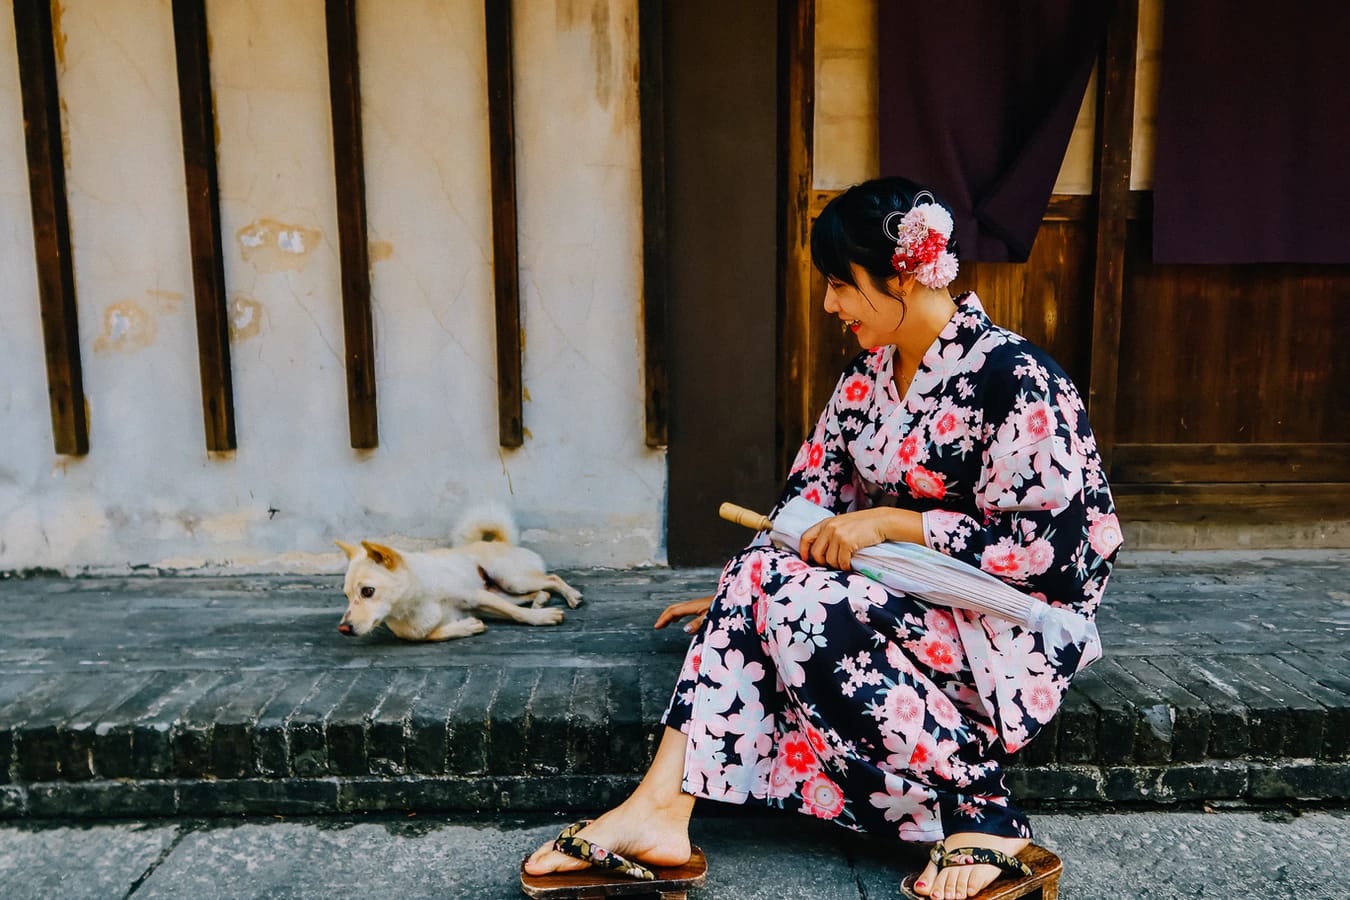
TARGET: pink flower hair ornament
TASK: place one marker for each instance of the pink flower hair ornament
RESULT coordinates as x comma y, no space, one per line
921,242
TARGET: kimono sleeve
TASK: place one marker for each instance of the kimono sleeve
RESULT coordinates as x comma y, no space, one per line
1047,523
823,471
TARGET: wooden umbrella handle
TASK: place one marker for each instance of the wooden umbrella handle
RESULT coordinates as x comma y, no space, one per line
747,517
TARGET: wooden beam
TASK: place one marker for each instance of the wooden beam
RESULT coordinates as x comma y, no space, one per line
1252,504
1229,463
51,225
655,259
344,86
1061,208
1115,124
505,261
203,202
796,123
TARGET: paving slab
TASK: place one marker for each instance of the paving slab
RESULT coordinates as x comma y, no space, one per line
78,862
1160,855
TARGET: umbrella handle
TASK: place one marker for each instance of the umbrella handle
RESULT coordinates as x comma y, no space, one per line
747,517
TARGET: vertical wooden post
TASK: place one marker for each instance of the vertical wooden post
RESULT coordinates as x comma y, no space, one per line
51,225
796,123
197,113
655,258
344,85
1115,126
505,265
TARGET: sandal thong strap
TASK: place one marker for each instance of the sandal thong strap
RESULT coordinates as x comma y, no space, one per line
580,848
973,856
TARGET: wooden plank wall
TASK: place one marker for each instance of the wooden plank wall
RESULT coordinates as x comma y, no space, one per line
1217,392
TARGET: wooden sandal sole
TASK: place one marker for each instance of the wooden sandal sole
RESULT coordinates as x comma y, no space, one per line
672,882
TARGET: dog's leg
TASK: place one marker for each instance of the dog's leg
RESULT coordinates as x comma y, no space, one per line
538,598
538,581
457,629
488,602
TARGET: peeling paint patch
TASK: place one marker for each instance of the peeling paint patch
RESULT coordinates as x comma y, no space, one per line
272,246
245,318
127,327
380,251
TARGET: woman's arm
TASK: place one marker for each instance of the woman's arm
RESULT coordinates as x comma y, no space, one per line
834,541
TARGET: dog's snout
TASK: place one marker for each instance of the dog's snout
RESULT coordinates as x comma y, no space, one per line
346,628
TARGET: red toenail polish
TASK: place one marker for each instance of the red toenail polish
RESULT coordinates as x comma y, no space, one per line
921,884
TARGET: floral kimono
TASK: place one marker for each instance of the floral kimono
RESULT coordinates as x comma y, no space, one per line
818,690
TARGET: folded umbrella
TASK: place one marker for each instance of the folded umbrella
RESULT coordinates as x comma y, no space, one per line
935,577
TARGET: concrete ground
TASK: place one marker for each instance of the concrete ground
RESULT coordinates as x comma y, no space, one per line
1271,854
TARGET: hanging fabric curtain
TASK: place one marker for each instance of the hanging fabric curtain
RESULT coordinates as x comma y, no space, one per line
978,100
1253,125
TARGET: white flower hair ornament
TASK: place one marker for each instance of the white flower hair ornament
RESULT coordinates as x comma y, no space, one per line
921,242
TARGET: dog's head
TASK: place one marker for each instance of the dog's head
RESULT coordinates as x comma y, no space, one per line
377,577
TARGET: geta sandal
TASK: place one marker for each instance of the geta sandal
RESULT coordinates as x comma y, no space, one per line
610,874
1036,868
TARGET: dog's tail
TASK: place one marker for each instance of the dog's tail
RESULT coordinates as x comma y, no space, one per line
486,522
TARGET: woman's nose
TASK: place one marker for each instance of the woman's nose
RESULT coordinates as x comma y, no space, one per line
831,305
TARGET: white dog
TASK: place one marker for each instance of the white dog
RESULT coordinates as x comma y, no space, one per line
436,595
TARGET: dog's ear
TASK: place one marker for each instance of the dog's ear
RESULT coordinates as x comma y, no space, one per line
346,548
382,555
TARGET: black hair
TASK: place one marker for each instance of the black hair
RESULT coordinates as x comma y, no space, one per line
850,229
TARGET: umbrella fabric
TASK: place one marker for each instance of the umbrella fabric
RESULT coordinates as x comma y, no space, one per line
938,578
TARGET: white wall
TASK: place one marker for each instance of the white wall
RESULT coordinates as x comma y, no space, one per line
585,488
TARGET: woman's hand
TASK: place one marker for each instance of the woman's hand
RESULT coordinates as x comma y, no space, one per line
834,541
697,608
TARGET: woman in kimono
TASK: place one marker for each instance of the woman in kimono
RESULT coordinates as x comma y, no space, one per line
809,687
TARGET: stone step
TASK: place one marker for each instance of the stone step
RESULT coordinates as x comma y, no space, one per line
203,696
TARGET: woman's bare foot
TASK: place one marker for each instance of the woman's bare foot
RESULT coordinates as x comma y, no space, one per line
959,882
650,827
636,829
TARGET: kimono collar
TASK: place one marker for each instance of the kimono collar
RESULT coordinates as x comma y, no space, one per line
957,338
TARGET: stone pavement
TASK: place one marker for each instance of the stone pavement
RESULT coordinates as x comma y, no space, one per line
1158,855
1226,679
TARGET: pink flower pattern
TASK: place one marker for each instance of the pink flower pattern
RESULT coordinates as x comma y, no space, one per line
819,691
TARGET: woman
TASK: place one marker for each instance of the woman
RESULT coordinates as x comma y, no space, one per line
812,688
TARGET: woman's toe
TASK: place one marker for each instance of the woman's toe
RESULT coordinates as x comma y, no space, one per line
924,883
545,861
962,885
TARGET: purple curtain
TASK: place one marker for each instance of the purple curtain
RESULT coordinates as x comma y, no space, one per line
978,100
1252,162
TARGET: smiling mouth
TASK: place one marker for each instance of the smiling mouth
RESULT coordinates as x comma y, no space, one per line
852,324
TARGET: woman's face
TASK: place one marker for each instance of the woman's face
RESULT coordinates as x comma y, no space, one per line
873,315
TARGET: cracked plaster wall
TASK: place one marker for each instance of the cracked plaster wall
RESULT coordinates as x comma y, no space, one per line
584,487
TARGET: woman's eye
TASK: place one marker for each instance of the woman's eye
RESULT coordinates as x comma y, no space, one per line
367,592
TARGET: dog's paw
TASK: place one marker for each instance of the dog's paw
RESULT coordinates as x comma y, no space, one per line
546,616
476,626
573,599
539,598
